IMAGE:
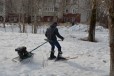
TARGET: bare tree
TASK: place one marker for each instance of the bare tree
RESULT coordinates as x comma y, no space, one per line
20,10
91,36
111,33
4,17
23,16
23,13
36,8
102,15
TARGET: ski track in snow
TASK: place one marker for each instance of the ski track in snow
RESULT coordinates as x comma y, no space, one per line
93,58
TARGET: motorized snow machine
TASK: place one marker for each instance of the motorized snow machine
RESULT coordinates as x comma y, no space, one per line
24,54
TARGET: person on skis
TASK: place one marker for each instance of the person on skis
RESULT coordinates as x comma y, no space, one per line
52,34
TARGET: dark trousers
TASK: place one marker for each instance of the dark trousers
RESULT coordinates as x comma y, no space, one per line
53,44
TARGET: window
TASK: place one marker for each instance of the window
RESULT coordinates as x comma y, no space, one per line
66,11
75,1
56,9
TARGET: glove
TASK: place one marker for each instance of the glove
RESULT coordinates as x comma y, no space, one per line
62,39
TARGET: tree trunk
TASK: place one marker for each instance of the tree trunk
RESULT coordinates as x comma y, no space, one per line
19,22
91,36
23,24
4,17
111,29
4,21
35,25
112,61
111,32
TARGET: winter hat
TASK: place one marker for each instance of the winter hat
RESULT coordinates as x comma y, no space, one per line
54,24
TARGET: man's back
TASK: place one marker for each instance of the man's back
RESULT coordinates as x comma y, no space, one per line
52,32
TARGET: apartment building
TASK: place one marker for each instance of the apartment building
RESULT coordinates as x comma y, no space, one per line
45,10
2,10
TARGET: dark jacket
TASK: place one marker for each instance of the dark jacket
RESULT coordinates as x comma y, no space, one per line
52,33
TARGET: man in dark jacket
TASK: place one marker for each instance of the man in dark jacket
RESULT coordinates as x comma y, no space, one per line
52,34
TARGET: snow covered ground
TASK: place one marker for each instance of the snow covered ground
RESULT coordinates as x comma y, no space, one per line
92,58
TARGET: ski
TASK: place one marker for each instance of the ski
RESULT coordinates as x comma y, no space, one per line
18,59
64,58
71,57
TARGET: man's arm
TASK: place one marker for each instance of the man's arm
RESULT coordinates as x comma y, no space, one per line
58,35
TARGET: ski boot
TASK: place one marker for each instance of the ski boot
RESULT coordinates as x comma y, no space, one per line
52,56
59,57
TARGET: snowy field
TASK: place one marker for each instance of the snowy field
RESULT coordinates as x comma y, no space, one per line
92,59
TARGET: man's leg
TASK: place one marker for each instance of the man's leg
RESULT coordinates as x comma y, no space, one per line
59,57
52,46
58,46
52,56
59,50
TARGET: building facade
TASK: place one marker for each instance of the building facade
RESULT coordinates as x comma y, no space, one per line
2,10
44,10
